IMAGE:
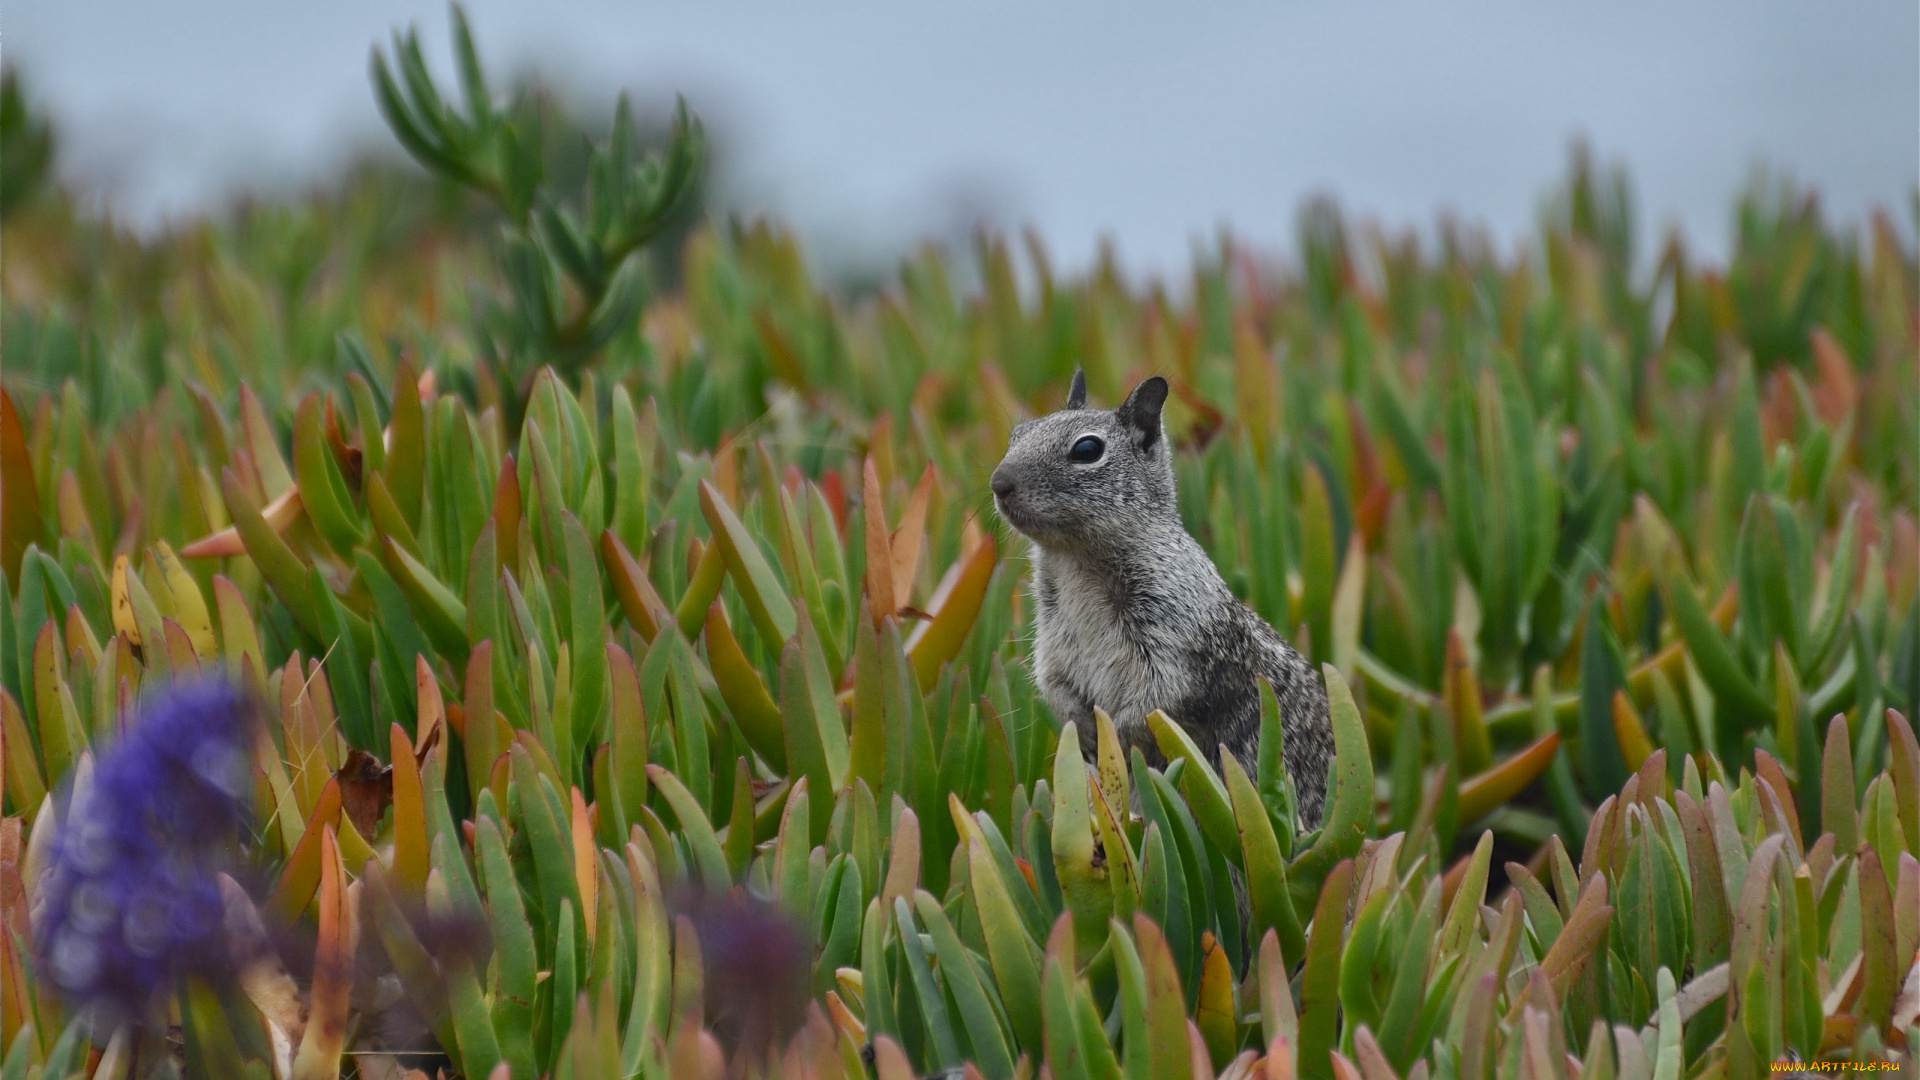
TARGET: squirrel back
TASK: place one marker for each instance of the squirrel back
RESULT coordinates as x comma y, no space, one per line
1130,613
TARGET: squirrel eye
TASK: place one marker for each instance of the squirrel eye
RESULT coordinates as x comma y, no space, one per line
1087,450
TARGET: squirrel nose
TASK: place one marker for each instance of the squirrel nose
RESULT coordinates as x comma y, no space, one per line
1002,483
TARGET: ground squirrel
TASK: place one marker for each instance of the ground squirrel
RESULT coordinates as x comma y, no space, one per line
1131,615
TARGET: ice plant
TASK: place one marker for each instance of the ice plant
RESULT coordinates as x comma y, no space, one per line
1613,572
131,896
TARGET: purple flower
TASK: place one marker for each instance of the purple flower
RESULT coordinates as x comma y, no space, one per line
758,964
131,894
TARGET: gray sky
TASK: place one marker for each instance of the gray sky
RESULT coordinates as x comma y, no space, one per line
863,123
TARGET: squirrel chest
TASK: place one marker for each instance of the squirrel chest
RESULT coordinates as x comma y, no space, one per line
1097,644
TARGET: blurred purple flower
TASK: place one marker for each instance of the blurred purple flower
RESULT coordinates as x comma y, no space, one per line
757,962
131,894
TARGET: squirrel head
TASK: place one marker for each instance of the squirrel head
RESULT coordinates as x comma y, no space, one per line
1080,478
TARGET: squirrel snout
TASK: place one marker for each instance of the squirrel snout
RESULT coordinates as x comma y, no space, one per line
1002,483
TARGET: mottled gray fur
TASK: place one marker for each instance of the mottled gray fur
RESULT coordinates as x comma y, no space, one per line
1131,615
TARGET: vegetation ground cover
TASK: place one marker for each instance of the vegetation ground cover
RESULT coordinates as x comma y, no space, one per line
640,671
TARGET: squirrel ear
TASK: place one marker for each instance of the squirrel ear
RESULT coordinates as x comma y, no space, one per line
1077,395
1141,411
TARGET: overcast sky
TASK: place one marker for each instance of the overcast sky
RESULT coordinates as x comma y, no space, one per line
865,124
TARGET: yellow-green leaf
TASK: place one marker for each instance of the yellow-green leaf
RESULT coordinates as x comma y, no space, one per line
938,640
745,693
767,602
1482,794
